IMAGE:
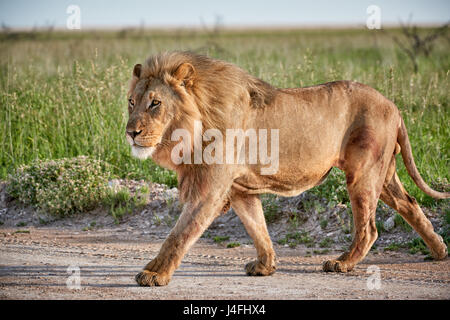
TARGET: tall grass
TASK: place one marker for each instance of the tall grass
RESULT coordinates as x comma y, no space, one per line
64,94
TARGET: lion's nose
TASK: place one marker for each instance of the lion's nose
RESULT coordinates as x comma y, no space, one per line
133,134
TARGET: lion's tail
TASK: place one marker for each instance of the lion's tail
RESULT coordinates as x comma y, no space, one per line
408,159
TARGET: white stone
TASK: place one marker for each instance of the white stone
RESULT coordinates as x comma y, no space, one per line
389,224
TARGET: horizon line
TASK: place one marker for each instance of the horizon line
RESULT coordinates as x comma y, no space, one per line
235,27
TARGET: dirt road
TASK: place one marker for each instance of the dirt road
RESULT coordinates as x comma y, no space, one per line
34,266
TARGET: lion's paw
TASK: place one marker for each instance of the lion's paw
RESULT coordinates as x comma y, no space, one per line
441,253
150,279
335,266
256,268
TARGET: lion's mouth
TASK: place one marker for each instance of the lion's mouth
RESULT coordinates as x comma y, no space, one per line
135,145
141,145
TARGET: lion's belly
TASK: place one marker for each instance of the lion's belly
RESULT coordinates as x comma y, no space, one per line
253,189
286,182
304,161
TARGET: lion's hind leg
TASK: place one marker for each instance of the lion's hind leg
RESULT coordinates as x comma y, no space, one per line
395,196
364,202
365,163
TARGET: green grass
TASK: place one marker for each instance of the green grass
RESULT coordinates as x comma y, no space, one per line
120,202
447,217
63,94
220,239
296,238
414,246
380,227
399,221
233,244
326,242
271,207
323,251
22,231
418,245
91,226
394,246
323,223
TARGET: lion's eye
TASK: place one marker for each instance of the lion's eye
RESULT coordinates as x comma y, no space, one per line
154,103
131,102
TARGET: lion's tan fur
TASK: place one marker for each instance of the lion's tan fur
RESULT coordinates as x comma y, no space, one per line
338,124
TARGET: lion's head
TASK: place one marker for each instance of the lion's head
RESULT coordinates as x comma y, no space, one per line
155,99
171,90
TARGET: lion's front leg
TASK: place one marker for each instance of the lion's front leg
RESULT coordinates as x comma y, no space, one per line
194,220
250,211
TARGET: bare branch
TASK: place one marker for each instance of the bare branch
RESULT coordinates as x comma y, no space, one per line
415,43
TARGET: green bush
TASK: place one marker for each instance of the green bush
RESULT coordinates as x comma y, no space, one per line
120,201
61,186
323,223
270,206
334,188
326,242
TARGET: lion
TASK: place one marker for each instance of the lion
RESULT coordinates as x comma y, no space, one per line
341,124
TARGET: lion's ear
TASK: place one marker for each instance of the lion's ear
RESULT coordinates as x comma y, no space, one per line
185,73
137,70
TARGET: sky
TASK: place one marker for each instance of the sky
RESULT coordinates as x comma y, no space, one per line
229,13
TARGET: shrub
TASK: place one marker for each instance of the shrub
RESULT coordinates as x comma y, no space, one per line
270,206
334,188
323,223
61,186
326,242
380,227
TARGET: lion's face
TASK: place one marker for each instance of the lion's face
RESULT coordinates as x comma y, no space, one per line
151,107
154,102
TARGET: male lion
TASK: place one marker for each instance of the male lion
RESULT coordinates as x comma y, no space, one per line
339,124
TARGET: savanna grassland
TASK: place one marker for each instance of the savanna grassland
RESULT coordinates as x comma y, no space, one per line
63,94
